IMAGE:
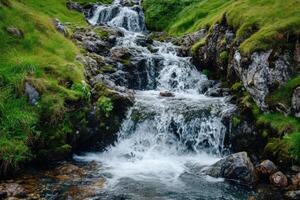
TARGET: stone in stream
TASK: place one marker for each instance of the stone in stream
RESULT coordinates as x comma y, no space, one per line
279,179
237,167
166,94
266,167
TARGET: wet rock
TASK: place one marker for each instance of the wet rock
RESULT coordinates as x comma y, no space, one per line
121,53
31,93
279,179
166,94
261,76
292,194
79,193
237,167
295,168
16,32
60,27
66,172
3,194
74,6
296,102
188,40
266,167
295,179
12,190
97,46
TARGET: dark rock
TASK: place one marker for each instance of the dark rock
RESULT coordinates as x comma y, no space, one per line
31,93
279,179
237,167
295,168
166,94
97,46
266,167
16,32
74,6
296,102
3,194
60,27
292,194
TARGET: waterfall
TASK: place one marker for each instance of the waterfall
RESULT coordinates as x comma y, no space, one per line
162,136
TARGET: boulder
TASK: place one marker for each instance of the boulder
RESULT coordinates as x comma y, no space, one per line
266,167
279,179
296,102
60,27
166,94
97,46
295,179
32,94
16,32
237,167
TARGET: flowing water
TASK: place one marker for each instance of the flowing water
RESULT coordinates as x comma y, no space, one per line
165,141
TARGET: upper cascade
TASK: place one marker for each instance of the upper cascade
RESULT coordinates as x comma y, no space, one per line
116,15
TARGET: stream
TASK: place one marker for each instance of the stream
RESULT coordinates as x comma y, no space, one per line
172,132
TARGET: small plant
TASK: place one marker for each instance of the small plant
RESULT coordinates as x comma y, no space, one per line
236,121
105,104
224,56
83,88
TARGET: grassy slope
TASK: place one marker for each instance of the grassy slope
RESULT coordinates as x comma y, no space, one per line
46,59
262,23
270,21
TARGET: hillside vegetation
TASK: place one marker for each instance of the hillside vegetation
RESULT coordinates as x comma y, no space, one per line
44,58
263,23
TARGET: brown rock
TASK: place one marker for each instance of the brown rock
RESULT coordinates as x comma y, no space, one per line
266,167
166,94
296,179
12,190
279,179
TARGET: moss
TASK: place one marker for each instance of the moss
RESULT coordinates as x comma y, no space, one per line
284,93
108,69
224,56
103,34
198,45
282,124
294,141
236,121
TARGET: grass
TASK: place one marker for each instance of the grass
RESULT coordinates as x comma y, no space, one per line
284,93
44,58
262,23
286,143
